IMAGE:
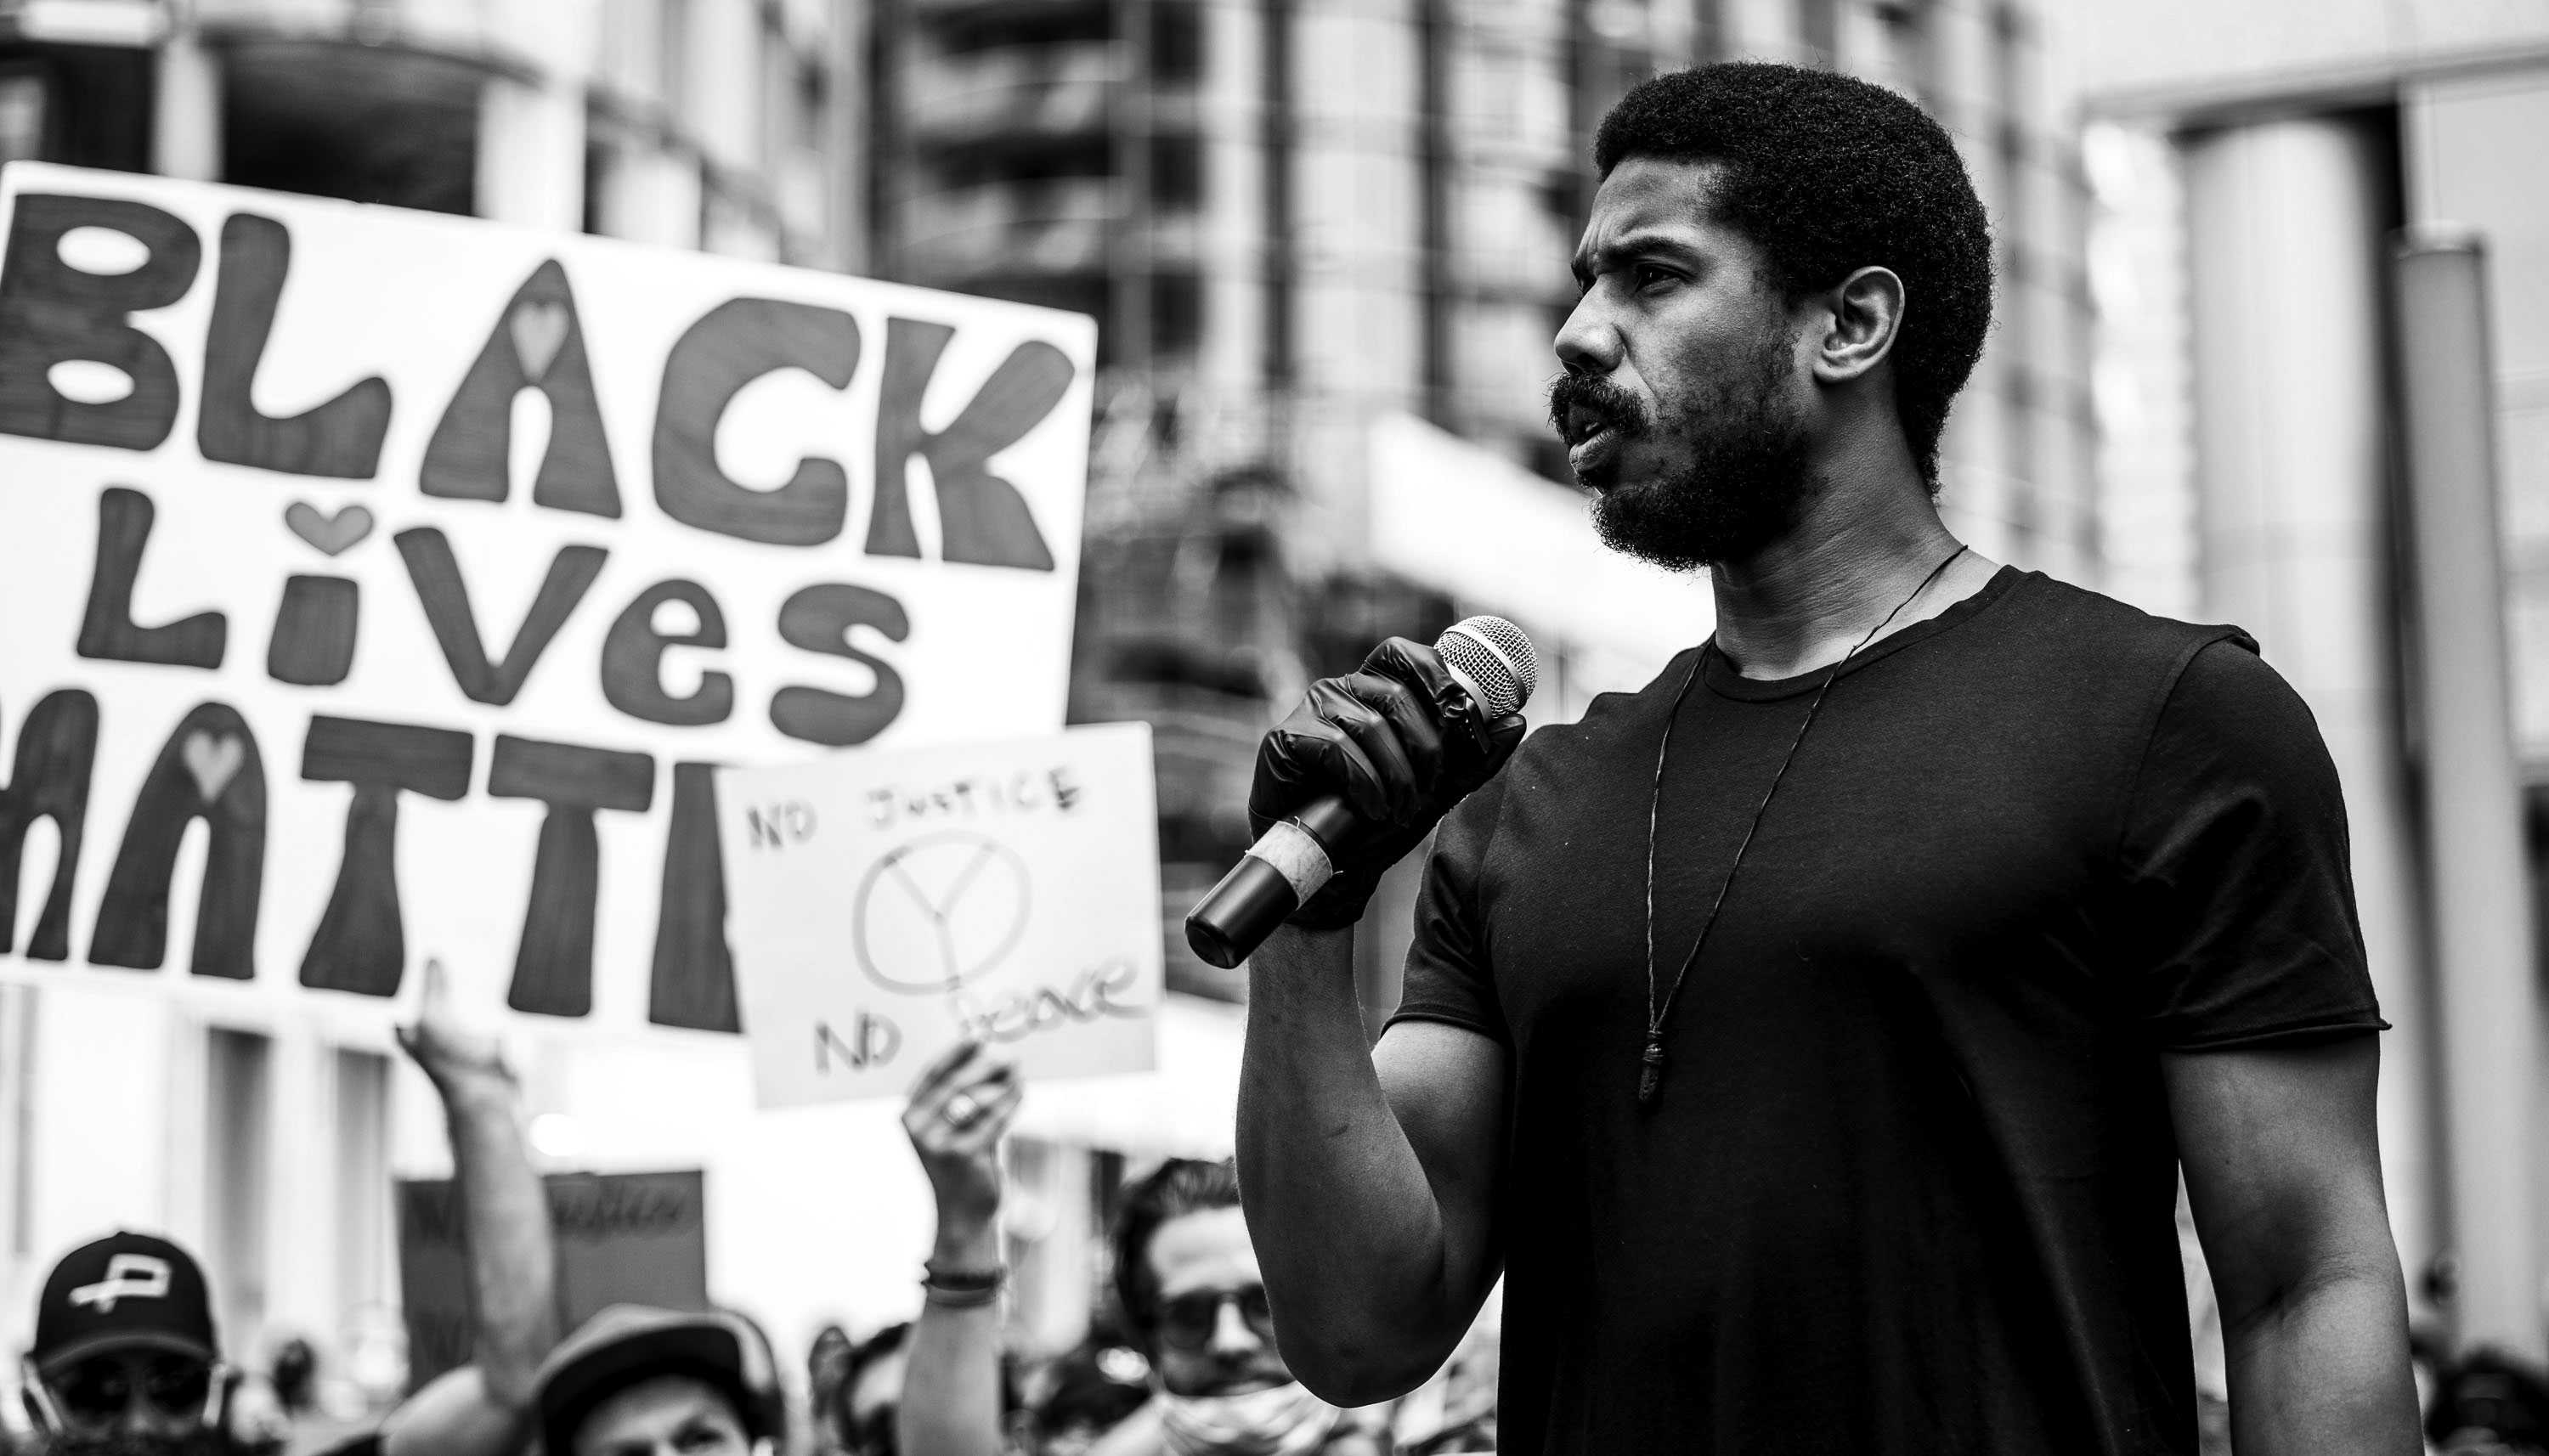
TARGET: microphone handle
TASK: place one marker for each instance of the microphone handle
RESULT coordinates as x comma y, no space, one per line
1284,867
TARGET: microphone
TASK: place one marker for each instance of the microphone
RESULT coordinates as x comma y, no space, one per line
1496,667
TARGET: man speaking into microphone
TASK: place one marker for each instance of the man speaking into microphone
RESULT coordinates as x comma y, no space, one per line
1812,1038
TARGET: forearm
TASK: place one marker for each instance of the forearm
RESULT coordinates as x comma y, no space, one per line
951,1383
1348,1228
512,1259
454,1415
2323,1371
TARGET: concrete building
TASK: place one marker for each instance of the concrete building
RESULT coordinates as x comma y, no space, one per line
2269,375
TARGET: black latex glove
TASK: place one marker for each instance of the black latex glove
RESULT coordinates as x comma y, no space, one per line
1398,740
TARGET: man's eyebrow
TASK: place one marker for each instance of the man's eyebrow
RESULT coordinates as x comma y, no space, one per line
1589,264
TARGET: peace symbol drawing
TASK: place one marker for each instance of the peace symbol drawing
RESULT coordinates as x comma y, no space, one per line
937,913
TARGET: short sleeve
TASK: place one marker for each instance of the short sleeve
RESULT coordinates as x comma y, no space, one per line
1449,979
2238,900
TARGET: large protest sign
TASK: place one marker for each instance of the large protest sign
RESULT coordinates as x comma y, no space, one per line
621,1238
409,574
883,904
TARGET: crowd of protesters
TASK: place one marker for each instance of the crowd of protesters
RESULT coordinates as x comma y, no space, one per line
125,1359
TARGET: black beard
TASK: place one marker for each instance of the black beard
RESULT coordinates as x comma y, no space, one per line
1745,485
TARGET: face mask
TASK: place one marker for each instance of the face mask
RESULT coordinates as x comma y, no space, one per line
1280,1421
201,1443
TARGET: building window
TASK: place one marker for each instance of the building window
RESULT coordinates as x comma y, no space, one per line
362,123
1819,32
1176,41
1177,172
84,106
18,1013
1176,313
238,1076
599,160
26,97
813,110
1708,32
366,1241
672,59
1911,61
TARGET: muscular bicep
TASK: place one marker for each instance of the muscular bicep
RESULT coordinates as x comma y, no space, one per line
2283,1166
1447,1086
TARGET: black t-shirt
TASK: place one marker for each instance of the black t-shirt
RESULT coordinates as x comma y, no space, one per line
1910,1184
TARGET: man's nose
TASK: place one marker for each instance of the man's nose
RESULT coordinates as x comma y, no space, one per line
1588,343
1232,1334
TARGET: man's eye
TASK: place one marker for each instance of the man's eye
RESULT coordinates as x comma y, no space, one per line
1648,275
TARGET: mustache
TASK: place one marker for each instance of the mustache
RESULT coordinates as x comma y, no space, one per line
1613,406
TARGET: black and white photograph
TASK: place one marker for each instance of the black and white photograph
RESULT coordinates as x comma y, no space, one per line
1273,727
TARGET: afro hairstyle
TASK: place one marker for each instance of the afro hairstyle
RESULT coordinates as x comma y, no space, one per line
1829,174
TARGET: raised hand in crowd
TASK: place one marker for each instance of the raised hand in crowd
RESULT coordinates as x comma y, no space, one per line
953,1397
484,1408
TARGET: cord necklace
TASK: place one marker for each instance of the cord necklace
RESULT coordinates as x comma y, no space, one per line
1651,1064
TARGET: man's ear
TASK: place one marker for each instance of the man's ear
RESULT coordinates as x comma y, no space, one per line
1858,320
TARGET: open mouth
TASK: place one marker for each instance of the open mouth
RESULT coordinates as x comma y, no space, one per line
1595,419
1592,442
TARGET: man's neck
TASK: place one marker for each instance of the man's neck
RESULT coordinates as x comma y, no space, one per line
1802,602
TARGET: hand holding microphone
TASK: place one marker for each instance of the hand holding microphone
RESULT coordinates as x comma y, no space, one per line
1360,773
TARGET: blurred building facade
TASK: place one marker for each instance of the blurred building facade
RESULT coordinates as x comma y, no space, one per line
1307,223
2256,170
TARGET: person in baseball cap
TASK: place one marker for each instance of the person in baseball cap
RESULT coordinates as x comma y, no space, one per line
636,1381
125,1357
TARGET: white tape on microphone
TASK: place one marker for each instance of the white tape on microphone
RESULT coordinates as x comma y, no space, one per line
1296,855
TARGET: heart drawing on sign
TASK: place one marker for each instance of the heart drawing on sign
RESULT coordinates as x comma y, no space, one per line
539,331
214,759
330,533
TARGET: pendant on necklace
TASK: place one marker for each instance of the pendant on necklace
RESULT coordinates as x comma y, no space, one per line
1651,1074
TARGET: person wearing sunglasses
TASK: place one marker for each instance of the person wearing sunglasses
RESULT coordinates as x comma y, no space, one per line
1186,1276
124,1362
1190,1293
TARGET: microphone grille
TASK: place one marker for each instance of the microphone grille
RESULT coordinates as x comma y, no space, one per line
1495,658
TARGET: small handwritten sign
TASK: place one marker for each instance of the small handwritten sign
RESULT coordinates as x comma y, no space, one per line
881,904
621,1238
